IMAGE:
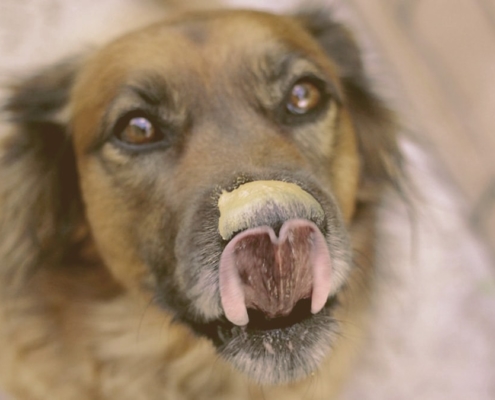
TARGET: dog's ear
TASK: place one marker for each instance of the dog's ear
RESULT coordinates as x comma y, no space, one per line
375,124
39,195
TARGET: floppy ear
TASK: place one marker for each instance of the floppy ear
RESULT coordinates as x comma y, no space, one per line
39,195
374,123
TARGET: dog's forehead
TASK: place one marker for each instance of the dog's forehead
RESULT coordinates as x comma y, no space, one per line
230,30
197,44
195,56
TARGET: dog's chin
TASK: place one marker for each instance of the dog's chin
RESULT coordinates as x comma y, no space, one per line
279,350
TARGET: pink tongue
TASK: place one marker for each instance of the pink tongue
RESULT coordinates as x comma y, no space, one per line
259,270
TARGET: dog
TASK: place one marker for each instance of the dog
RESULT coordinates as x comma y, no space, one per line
188,212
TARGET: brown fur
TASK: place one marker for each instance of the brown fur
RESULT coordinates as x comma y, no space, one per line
79,312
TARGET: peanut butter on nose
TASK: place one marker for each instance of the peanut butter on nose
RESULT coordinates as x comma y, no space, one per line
257,203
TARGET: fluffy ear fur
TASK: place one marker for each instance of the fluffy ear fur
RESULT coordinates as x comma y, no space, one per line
374,123
39,196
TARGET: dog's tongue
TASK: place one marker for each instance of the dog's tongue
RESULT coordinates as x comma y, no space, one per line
271,274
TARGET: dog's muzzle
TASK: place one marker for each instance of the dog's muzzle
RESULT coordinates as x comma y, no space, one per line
267,270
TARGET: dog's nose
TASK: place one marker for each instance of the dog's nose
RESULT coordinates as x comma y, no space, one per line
261,270
268,203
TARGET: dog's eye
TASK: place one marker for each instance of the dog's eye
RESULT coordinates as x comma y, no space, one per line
304,97
139,131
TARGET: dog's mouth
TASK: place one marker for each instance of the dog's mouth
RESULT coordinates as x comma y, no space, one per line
274,278
277,350
271,271
274,275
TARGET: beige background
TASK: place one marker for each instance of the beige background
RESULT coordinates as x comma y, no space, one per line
442,55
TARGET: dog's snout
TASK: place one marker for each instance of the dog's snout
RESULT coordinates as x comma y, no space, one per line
276,253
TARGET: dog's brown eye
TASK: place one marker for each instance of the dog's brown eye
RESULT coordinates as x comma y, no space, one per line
138,131
304,97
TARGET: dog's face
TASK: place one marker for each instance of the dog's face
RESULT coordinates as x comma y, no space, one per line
219,158
169,121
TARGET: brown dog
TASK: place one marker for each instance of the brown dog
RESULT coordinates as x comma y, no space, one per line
205,185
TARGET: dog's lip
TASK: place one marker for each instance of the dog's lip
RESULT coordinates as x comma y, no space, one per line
274,354
221,331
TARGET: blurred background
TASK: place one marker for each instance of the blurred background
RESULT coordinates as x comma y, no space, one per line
442,56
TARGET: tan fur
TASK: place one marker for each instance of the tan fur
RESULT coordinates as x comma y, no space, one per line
93,331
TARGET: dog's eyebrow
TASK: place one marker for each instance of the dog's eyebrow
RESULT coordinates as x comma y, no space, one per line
282,66
287,66
140,93
151,90
278,66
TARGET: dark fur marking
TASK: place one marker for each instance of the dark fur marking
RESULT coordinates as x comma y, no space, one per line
51,207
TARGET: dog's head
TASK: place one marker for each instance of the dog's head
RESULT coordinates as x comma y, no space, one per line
218,159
